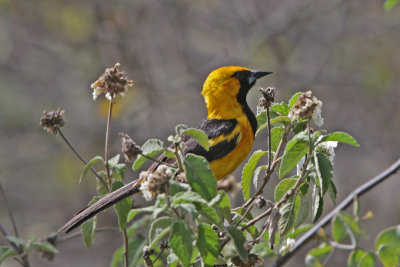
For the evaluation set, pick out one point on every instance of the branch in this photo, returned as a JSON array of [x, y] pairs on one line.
[[359, 191]]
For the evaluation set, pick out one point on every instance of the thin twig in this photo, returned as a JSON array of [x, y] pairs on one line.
[[82, 159], [79, 233], [158, 161], [178, 158], [359, 191], [10, 214], [126, 252], [108, 142], [269, 139]]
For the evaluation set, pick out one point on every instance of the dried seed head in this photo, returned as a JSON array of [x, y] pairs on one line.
[[130, 149], [268, 96], [111, 82], [52, 120], [153, 182], [307, 107]]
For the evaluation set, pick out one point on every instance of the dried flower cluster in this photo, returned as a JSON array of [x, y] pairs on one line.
[[52, 120], [307, 107], [154, 182], [130, 149], [268, 96], [112, 82]]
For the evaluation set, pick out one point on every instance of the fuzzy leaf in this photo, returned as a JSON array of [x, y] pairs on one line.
[[207, 243], [324, 170], [288, 214], [150, 148], [317, 204], [284, 186], [199, 135], [181, 242], [293, 99], [122, 207], [88, 229], [238, 240], [158, 226], [276, 136], [248, 172], [88, 166], [200, 176], [6, 252], [340, 137], [294, 151]]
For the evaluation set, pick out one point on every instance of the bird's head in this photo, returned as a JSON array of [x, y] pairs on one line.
[[228, 83]]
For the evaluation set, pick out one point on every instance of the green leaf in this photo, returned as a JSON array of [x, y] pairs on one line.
[[324, 170], [339, 230], [176, 187], [223, 205], [389, 4], [199, 135], [158, 226], [172, 260], [367, 260], [293, 99], [207, 243], [248, 172], [276, 136], [114, 160], [207, 212], [6, 252], [118, 171], [294, 151], [150, 148], [313, 257], [257, 174], [317, 204], [353, 229], [88, 229], [15, 240], [45, 246], [187, 197], [340, 137], [280, 119], [389, 236], [303, 212], [180, 128], [288, 213], [300, 230], [261, 116], [122, 207], [359, 257], [181, 242], [280, 108], [332, 192], [200, 176], [284, 186], [238, 240], [88, 166], [388, 256], [132, 213]]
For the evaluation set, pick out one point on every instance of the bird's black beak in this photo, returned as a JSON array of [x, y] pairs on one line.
[[256, 74]]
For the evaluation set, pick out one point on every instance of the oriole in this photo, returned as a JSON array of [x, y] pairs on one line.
[[230, 127]]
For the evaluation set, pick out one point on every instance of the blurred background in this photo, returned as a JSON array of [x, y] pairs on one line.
[[346, 52]]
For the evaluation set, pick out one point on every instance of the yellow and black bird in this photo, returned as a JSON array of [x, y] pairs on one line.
[[230, 127]]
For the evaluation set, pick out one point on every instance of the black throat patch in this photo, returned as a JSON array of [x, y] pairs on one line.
[[243, 77]]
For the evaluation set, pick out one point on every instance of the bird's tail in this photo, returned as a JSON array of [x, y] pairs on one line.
[[101, 204]]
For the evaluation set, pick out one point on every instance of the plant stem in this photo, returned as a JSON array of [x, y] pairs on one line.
[[82, 159], [10, 214], [158, 161], [126, 252], [269, 139], [108, 142], [178, 158]]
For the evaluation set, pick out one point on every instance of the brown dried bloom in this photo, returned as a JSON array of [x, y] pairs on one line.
[[130, 149], [154, 182], [52, 120], [112, 82], [307, 107], [268, 96]]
